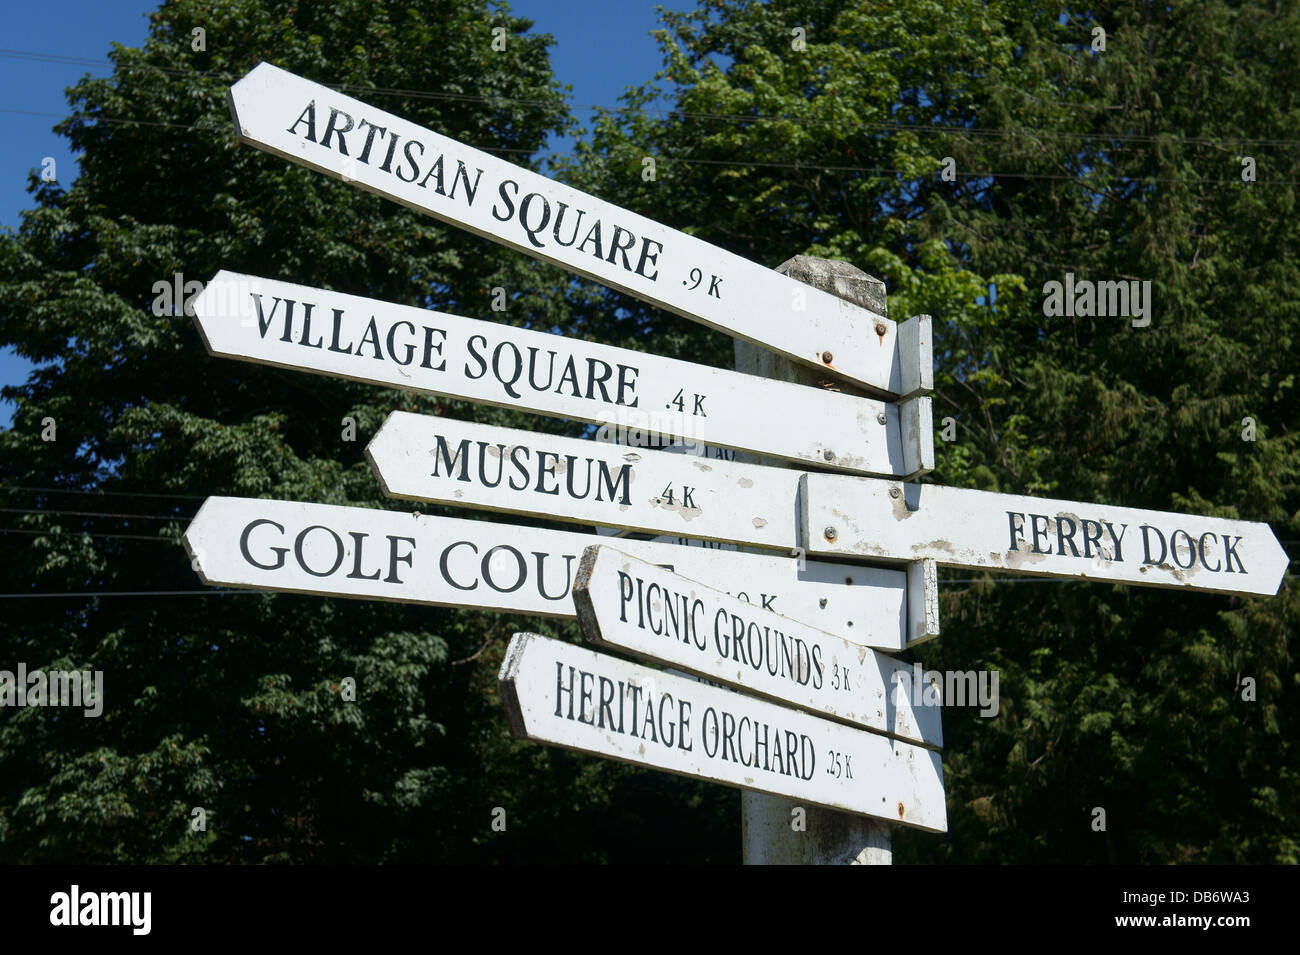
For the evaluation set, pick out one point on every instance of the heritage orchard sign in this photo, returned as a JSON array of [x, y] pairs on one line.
[[569, 696]]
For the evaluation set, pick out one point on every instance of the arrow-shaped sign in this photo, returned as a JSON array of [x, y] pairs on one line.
[[324, 130], [755, 505], [570, 696], [636, 398], [625, 603], [421, 457], [958, 527], [388, 555]]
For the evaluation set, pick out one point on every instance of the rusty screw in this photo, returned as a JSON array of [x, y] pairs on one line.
[[827, 357], [894, 492], [831, 533], [880, 328]]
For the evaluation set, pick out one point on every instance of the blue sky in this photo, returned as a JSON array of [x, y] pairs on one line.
[[601, 49]]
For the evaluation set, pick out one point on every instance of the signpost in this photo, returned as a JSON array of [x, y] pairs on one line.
[[838, 727], [958, 527], [569, 696], [389, 555], [627, 604], [633, 396], [317, 127]]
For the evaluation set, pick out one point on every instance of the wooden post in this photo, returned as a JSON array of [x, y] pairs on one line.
[[767, 822]]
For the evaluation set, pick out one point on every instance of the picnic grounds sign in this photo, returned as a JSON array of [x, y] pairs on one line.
[[762, 612]]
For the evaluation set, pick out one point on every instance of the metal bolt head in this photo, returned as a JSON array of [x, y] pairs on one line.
[[880, 328], [895, 492], [881, 418], [830, 533], [827, 357], [828, 454]]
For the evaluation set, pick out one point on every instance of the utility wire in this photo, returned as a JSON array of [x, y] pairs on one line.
[[881, 172], [674, 114], [96, 491]]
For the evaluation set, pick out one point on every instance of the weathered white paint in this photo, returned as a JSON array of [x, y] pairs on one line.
[[570, 696], [625, 603], [317, 127], [632, 396], [916, 352], [465, 464], [959, 527], [922, 601], [390, 555]]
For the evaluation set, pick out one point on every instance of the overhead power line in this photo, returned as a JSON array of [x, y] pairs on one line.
[[810, 166], [675, 114]]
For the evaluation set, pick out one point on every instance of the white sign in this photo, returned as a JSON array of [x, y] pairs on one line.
[[421, 457], [636, 398], [627, 604], [958, 527], [569, 696], [389, 555], [313, 125]]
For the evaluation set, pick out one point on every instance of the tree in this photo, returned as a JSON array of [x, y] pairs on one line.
[[234, 703], [1122, 164]]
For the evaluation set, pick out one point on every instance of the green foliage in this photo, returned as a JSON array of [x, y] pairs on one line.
[[1120, 164], [1114, 164]]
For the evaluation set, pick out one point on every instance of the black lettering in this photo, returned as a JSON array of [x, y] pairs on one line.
[[594, 380], [510, 206], [446, 572], [544, 470], [449, 461], [473, 353], [560, 688], [462, 175], [370, 139], [434, 170], [615, 246], [430, 348], [278, 551], [1204, 550], [415, 168], [1230, 552], [331, 129], [626, 383], [394, 558], [647, 258], [611, 486], [339, 550], [1146, 545], [1035, 533], [1091, 536], [359, 540], [1017, 530], [392, 349], [541, 226], [308, 115], [1063, 537]]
